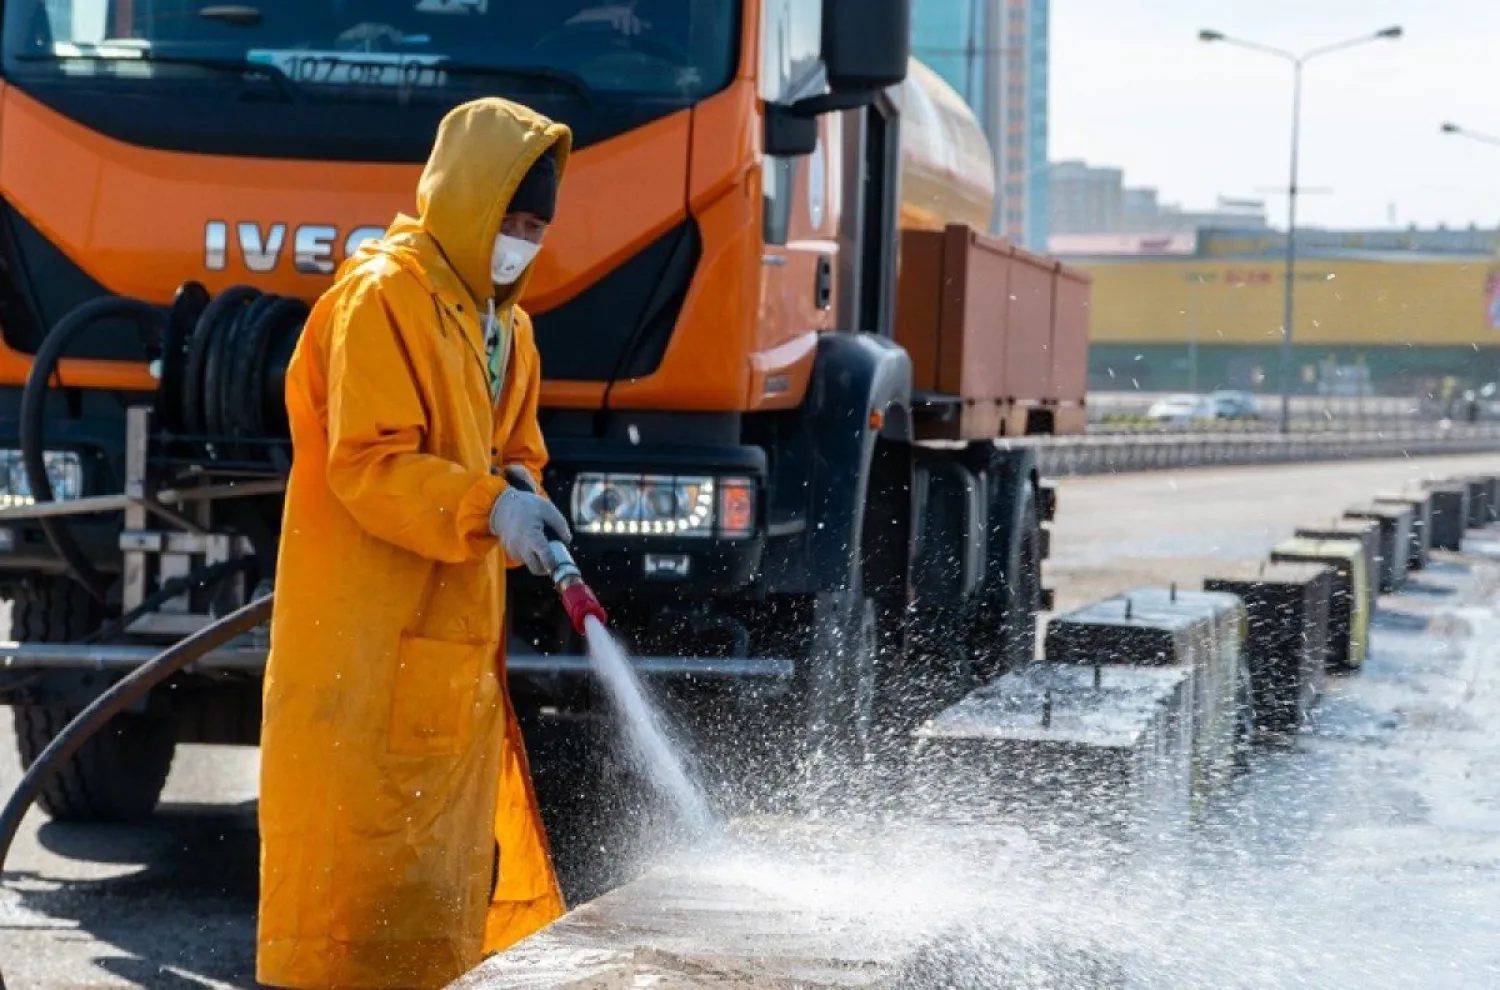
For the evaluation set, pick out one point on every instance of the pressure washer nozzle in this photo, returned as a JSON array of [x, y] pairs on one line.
[[577, 598], [580, 603]]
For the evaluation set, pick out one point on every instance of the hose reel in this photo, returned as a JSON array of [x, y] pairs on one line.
[[221, 364], [223, 370]]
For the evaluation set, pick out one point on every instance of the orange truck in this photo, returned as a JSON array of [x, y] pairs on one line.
[[783, 364]]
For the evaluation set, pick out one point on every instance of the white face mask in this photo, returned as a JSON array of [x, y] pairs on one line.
[[511, 258]]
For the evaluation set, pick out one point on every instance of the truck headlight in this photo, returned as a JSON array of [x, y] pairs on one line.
[[64, 471], [663, 505]]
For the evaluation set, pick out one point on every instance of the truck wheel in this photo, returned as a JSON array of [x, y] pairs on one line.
[[788, 748], [53, 610], [1004, 633], [840, 684], [117, 775]]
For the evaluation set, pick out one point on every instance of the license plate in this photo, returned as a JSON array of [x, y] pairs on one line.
[[355, 68]]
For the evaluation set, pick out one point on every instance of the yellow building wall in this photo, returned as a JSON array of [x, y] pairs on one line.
[[1367, 302]]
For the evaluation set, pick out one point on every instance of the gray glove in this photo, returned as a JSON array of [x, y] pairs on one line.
[[521, 521]]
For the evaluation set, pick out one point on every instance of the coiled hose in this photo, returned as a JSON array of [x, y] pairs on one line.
[[223, 370], [33, 414], [112, 702]]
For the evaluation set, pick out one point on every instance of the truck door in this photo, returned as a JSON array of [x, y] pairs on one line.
[[802, 195]]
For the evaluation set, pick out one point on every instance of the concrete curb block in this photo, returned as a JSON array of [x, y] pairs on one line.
[[1395, 523], [1367, 532], [791, 904], [1159, 627], [1224, 709], [1450, 513], [1481, 499], [1068, 744], [1286, 644], [1348, 615], [1420, 550]]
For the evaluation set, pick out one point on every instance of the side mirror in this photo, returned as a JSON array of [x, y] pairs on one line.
[[791, 130], [866, 44]]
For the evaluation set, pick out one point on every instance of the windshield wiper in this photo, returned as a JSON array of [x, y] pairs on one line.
[[543, 73], [280, 79]]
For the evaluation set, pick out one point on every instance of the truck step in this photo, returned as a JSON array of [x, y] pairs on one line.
[[1046, 501]]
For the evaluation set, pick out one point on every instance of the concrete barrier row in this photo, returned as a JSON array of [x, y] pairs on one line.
[[1253, 648], [1088, 455], [1137, 715]]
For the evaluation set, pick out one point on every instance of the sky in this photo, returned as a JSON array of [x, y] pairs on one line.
[[1132, 86]]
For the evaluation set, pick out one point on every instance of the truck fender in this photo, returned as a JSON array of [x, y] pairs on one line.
[[860, 391]]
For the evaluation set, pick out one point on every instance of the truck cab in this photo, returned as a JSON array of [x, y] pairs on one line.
[[766, 493]]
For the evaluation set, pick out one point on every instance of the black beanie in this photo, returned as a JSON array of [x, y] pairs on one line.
[[537, 192]]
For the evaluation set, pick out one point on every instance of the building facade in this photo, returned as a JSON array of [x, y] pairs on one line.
[[1088, 199], [995, 54], [1400, 310]]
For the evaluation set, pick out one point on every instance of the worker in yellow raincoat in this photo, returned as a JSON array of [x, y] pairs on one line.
[[400, 839]]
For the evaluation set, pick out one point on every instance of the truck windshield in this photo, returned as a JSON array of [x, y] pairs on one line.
[[329, 50]]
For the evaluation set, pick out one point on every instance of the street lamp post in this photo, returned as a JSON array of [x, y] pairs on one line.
[[1298, 61], [1195, 283], [1451, 128]]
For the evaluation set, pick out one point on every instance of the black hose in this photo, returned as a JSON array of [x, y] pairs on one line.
[[225, 308], [120, 696], [201, 578], [187, 307], [33, 409]]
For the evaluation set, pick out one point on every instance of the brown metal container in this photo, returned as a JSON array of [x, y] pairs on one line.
[[998, 336], [1027, 369], [1070, 336]]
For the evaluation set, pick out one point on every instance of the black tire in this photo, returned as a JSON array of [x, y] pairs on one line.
[[117, 775], [839, 680], [794, 747], [54, 610], [1004, 631]]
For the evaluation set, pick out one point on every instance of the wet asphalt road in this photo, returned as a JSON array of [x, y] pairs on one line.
[[1403, 772]]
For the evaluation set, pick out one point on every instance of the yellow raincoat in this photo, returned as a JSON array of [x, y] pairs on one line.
[[392, 766]]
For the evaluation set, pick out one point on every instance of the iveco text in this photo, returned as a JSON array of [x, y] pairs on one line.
[[261, 249]]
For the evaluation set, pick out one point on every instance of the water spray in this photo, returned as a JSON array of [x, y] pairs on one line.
[[642, 722]]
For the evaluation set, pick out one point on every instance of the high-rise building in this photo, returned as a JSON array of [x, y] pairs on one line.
[[952, 37], [1026, 62], [994, 53], [1088, 200]]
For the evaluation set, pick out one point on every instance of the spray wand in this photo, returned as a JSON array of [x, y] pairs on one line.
[[578, 599]]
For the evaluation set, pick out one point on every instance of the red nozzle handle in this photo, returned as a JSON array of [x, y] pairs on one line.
[[580, 603]]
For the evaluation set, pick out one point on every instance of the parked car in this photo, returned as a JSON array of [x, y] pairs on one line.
[[1234, 405], [1182, 410]]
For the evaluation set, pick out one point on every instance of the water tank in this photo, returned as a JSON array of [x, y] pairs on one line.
[[947, 171]]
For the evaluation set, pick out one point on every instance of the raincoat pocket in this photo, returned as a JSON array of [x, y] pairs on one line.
[[432, 707]]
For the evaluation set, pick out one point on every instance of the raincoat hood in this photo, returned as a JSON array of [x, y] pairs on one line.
[[483, 150]]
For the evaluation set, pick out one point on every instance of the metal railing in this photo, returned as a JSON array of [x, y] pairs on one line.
[[1128, 414], [1094, 454]]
